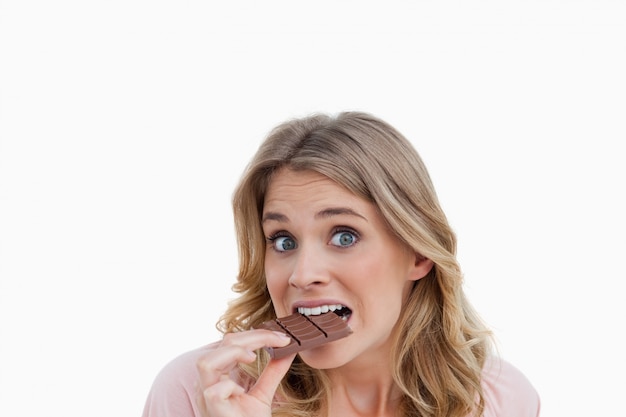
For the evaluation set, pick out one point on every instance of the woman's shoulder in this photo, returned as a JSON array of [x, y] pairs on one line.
[[173, 390], [507, 391]]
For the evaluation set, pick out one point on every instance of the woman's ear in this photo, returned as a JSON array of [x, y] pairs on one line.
[[421, 268]]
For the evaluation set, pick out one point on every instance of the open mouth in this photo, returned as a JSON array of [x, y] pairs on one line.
[[338, 309]]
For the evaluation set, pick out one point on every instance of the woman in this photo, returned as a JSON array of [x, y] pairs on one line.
[[340, 213]]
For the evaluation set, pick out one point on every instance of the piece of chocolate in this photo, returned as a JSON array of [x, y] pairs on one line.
[[306, 332]]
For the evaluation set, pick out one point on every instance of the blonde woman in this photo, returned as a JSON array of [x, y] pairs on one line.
[[339, 213]]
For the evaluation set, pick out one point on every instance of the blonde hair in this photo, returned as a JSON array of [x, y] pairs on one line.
[[440, 342]]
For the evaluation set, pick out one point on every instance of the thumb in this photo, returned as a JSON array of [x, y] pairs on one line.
[[269, 380]]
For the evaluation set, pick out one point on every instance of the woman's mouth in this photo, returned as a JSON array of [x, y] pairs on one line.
[[340, 310]]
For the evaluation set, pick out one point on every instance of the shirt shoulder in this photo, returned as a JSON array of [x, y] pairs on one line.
[[507, 391], [173, 391]]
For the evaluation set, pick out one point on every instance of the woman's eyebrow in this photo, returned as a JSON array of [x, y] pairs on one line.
[[336, 211], [272, 215]]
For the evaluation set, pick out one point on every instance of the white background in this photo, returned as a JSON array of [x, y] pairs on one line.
[[124, 126]]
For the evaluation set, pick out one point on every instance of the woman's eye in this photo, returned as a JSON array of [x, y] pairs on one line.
[[343, 239], [283, 243]]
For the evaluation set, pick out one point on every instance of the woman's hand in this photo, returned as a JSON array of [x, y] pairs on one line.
[[220, 395]]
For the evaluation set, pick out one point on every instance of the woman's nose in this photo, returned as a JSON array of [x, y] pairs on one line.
[[308, 270]]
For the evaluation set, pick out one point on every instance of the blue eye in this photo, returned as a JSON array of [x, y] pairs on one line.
[[343, 239], [283, 243]]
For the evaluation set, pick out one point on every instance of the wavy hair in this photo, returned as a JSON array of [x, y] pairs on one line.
[[440, 343]]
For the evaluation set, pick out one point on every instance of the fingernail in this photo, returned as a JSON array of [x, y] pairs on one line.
[[282, 335]]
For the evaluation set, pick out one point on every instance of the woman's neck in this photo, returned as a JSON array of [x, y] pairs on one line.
[[363, 391]]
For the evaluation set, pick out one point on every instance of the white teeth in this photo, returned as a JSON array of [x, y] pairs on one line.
[[316, 311]]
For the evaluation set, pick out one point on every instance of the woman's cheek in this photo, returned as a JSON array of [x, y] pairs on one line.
[[275, 284]]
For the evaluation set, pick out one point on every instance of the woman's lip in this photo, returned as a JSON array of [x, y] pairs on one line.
[[309, 304]]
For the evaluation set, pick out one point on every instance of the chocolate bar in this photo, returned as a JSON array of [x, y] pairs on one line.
[[306, 332]]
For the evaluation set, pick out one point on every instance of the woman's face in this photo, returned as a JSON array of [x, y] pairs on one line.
[[327, 248]]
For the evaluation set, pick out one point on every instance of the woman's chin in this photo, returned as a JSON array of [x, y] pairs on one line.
[[327, 356]]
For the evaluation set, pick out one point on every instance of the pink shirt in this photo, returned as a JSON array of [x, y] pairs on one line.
[[508, 393]]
